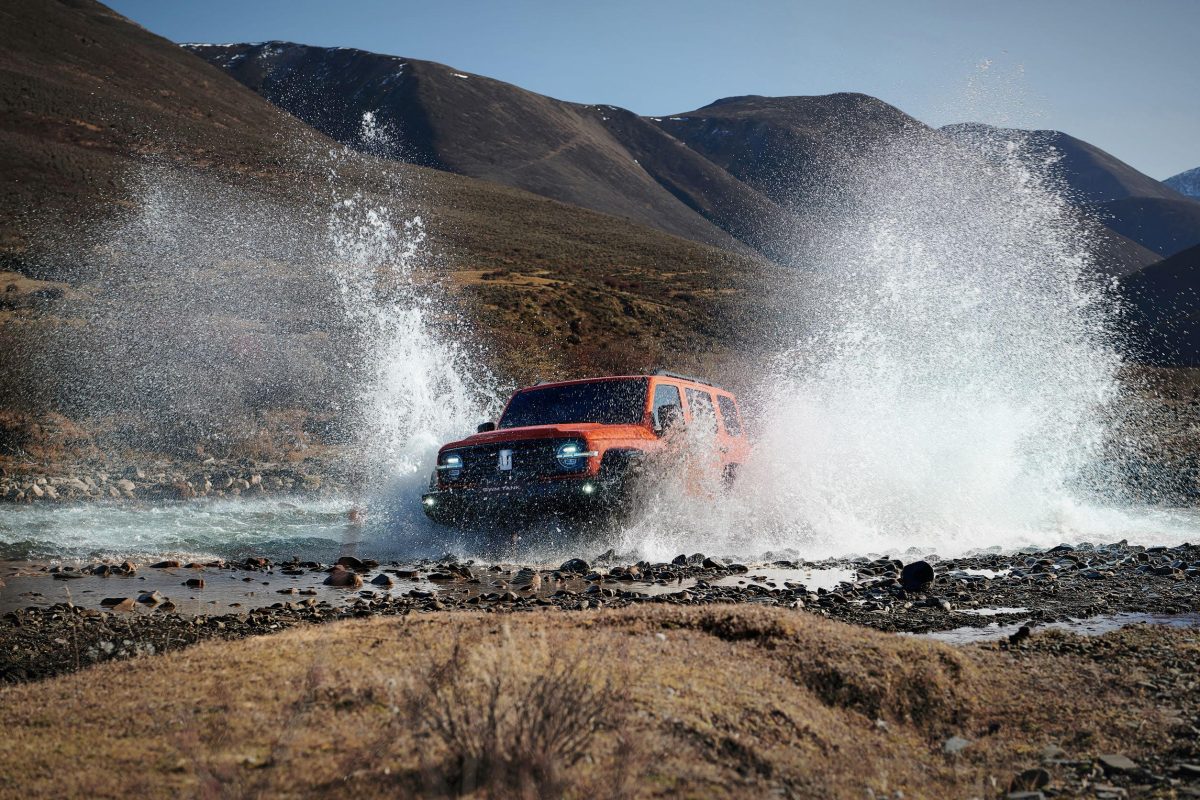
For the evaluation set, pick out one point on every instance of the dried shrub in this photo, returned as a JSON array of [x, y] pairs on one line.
[[514, 718]]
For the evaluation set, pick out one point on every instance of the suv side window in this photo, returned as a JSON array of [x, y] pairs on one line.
[[701, 405], [665, 395], [729, 415]]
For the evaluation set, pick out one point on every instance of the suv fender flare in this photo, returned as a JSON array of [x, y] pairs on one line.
[[621, 463]]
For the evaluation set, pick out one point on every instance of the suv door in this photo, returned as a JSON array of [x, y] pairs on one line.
[[665, 394]]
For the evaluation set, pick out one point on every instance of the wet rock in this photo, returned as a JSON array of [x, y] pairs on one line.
[[169, 564], [150, 598], [918, 575], [350, 562], [118, 603], [383, 579], [575, 565], [680, 560], [714, 563], [343, 578], [194, 583]]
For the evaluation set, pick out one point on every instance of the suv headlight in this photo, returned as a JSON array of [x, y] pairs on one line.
[[450, 465], [573, 455]]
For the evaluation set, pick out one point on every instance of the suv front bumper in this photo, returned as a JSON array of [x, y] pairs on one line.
[[576, 497]]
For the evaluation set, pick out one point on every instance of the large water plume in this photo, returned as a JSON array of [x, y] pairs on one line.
[[958, 377]]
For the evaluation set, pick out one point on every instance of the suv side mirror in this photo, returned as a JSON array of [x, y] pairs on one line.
[[668, 417], [484, 427]]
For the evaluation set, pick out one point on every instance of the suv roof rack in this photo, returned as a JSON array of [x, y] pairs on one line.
[[666, 373]]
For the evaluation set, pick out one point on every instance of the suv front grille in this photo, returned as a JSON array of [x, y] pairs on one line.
[[530, 459]]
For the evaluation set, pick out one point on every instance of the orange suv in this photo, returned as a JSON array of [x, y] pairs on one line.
[[574, 447]]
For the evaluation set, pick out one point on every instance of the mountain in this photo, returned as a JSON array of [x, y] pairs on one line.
[[779, 145], [134, 171], [1131, 204], [679, 174], [1186, 183], [597, 157]]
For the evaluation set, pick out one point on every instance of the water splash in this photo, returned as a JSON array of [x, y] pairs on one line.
[[420, 385], [959, 378], [957, 381]]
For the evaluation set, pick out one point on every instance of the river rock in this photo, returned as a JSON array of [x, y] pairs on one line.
[[713, 563], [169, 564], [383, 579], [341, 577], [916, 576], [118, 603], [150, 598], [350, 562], [194, 583], [576, 565]]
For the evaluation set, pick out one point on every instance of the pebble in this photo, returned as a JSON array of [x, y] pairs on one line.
[[1117, 763], [955, 744]]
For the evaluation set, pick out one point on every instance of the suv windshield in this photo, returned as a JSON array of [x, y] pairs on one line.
[[620, 402]]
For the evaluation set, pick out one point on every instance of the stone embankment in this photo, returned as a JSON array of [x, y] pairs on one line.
[[157, 484]]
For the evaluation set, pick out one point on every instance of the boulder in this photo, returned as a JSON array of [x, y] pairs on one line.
[[916, 576], [576, 565], [343, 578], [350, 562]]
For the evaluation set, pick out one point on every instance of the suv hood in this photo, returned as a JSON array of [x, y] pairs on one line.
[[563, 431]]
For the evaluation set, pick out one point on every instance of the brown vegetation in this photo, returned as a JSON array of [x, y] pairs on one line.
[[642, 702]]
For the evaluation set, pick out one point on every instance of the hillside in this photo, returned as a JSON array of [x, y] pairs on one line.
[[148, 190], [597, 157], [1165, 304], [740, 171]]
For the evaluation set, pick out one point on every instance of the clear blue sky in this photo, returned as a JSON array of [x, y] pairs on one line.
[[1124, 75]]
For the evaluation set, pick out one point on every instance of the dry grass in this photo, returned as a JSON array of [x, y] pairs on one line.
[[725, 702]]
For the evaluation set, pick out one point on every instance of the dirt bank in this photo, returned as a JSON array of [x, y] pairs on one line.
[[652, 701]]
